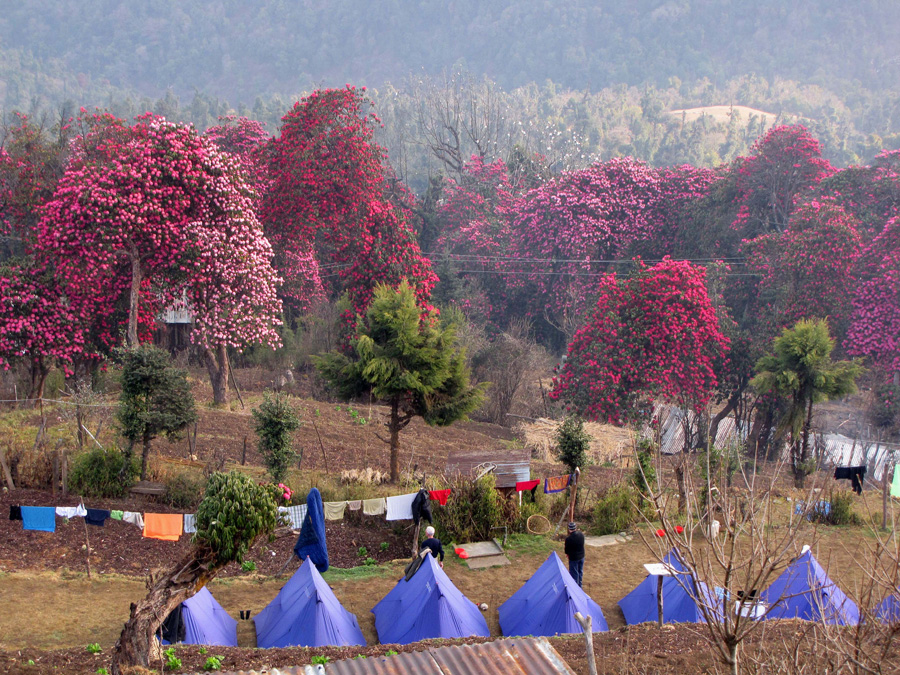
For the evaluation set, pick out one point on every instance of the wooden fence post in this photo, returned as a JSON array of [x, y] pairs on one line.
[[585, 622]]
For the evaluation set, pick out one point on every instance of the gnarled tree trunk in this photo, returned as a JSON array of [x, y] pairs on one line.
[[166, 591], [216, 362], [134, 299]]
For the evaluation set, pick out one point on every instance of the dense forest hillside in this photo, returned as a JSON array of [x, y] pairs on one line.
[[239, 50]]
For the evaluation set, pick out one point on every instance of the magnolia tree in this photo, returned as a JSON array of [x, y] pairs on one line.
[[332, 201], [155, 213], [654, 335]]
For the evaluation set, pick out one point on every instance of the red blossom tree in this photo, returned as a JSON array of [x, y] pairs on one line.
[[807, 270], [332, 197], [654, 335], [37, 326], [786, 161], [875, 324], [155, 213], [247, 140]]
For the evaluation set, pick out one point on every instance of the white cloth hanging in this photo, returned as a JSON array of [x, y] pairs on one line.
[[400, 507]]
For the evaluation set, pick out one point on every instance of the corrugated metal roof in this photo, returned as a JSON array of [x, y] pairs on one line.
[[671, 431], [510, 466], [524, 656]]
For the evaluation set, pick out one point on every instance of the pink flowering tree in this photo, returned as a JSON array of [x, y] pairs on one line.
[[807, 271], [246, 140], [37, 326], [331, 198], [653, 336], [875, 324], [869, 193], [786, 162], [157, 214]]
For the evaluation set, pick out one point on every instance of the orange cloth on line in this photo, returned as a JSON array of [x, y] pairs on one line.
[[167, 526], [556, 483]]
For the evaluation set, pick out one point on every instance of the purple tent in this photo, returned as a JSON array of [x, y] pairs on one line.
[[547, 603], [206, 622], [679, 597], [888, 610], [427, 606], [305, 613], [804, 591]]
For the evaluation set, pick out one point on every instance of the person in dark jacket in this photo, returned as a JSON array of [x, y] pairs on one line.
[[434, 544], [575, 553]]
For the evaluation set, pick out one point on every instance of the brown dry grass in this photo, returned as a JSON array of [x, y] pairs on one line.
[[608, 443]]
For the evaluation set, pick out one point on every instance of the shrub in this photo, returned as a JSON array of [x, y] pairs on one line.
[[617, 510], [248, 566], [885, 410], [319, 659], [384, 546], [362, 552], [573, 443], [474, 508], [102, 473], [842, 509], [172, 661], [183, 491], [213, 663], [275, 421], [94, 648]]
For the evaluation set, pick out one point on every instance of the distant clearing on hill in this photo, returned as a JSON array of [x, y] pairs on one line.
[[721, 113]]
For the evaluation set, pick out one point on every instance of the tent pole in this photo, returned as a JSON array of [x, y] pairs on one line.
[[87, 540], [284, 567], [659, 600]]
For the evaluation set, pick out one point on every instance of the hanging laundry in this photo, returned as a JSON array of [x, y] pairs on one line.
[[556, 483], [190, 523], [334, 510], [895, 486], [96, 517], [440, 496], [355, 505], [15, 512], [165, 526], [41, 518], [374, 507], [134, 518], [116, 515], [71, 511], [400, 507], [421, 509], [311, 542], [855, 474], [526, 485], [295, 514]]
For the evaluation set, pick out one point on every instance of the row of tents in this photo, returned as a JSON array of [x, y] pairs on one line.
[[428, 605]]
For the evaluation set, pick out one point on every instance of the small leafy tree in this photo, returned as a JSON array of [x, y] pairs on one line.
[[572, 443], [801, 372], [156, 400], [275, 421], [404, 357], [234, 512]]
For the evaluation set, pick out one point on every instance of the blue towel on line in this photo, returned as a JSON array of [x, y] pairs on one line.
[[42, 518]]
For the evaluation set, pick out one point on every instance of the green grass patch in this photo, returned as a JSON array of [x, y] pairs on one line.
[[355, 573], [528, 544]]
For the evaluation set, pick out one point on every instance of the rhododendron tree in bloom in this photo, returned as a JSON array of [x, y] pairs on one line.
[[875, 325], [247, 140], [37, 326], [330, 195], [786, 161], [807, 271], [571, 228], [157, 213], [654, 336], [32, 160], [869, 193]]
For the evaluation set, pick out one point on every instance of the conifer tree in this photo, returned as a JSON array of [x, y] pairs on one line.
[[405, 358]]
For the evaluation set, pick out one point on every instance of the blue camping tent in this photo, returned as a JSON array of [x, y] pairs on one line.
[[679, 605], [804, 591], [547, 603], [427, 606], [204, 621], [305, 613], [311, 542], [888, 610]]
